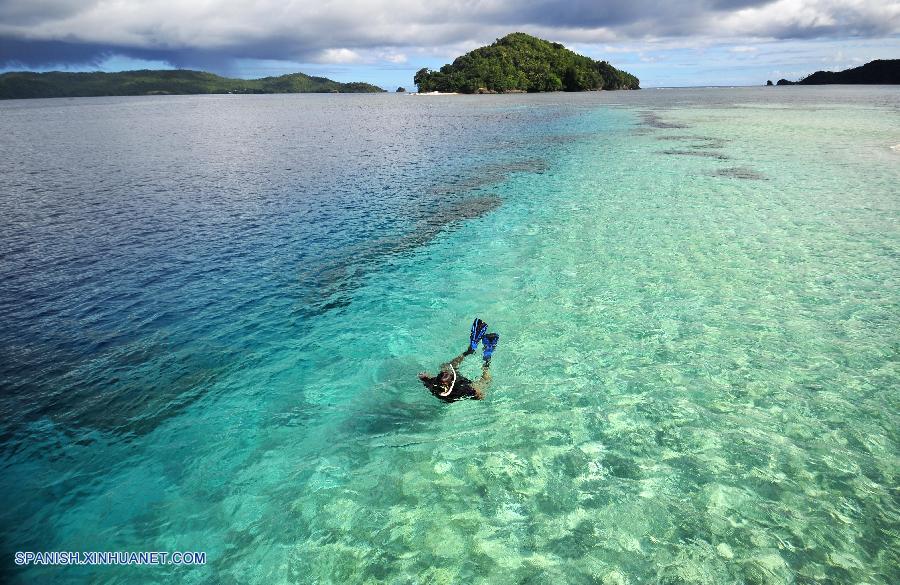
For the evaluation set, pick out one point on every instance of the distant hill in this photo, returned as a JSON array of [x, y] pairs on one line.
[[878, 72], [519, 62], [18, 85]]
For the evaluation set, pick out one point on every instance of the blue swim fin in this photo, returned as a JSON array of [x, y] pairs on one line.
[[490, 342], [479, 328]]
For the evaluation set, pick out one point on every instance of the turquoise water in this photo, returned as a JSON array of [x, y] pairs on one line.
[[697, 293]]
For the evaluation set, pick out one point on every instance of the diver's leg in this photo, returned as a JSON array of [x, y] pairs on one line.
[[481, 384], [490, 344], [455, 362], [479, 329], [485, 379]]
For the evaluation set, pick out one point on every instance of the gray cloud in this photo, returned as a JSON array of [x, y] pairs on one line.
[[37, 53], [209, 35], [652, 14]]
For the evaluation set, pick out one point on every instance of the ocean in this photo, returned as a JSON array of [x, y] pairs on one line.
[[213, 310]]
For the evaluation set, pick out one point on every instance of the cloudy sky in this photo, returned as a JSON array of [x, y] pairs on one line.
[[664, 43]]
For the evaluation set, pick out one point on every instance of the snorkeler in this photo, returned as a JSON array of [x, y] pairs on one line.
[[450, 385]]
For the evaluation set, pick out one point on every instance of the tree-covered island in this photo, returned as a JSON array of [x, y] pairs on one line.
[[519, 62], [877, 72], [26, 84]]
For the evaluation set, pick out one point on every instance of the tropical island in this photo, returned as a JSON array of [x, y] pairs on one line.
[[522, 63], [878, 72], [24, 84]]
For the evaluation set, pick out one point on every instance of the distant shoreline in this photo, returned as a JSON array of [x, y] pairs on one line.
[[146, 82], [424, 94], [877, 72]]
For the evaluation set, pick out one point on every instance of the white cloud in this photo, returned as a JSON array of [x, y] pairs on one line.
[[394, 58], [813, 18], [338, 56]]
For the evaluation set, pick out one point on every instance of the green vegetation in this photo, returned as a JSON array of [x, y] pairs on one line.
[[20, 85], [878, 72], [521, 62]]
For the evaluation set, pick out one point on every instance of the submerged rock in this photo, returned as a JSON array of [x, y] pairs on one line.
[[739, 173], [768, 569], [724, 551], [615, 577]]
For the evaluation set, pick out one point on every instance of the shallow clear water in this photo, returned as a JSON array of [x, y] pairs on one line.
[[213, 310]]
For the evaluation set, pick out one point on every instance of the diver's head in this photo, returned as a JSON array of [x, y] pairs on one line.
[[445, 377], [441, 382]]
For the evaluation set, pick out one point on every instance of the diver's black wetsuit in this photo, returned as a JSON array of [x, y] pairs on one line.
[[462, 389]]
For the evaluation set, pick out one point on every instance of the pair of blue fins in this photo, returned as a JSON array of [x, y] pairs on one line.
[[480, 335]]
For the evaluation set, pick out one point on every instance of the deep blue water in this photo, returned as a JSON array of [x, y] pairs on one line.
[[138, 230]]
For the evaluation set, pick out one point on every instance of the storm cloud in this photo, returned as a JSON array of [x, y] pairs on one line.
[[213, 34]]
